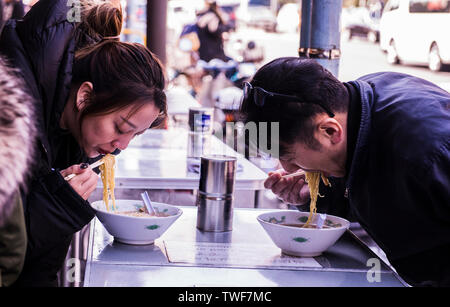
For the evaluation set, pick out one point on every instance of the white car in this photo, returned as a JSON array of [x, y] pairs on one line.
[[288, 19], [258, 13], [416, 31]]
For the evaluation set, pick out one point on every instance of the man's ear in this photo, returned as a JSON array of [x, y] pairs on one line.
[[83, 95], [330, 129]]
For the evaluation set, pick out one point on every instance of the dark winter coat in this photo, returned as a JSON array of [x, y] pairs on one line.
[[398, 181], [42, 46]]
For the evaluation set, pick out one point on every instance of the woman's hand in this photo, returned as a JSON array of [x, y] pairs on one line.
[[85, 181], [292, 190]]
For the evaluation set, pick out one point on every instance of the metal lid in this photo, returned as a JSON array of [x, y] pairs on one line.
[[217, 175]]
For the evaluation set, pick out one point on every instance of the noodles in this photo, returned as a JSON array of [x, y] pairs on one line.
[[313, 180], [107, 174]]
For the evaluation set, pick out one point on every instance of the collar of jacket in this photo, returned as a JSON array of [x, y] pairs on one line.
[[359, 157]]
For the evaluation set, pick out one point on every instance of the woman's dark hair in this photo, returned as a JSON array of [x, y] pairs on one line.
[[121, 73], [305, 79]]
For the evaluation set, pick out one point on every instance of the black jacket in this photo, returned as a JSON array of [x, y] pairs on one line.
[[398, 181], [42, 46], [400, 169]]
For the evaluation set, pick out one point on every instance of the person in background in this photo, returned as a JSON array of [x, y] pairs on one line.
[[17, 136], [211, 28], [92, 94], [384, 142]]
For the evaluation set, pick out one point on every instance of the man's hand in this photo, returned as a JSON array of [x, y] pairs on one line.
[[85, 181], [292, 190]]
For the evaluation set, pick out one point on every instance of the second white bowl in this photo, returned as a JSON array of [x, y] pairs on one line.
[[304, 242]]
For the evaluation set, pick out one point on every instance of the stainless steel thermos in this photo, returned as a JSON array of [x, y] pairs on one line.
[[216, 193]]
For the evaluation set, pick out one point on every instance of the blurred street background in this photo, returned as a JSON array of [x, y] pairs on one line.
[[274, 26], [360, 51], [359, 56]]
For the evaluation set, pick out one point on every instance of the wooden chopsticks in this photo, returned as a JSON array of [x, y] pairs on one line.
[[297, 173], [93, 165]]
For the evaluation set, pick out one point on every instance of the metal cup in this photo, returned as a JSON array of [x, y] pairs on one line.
[[217, 175], [214, 214], [216, 193]]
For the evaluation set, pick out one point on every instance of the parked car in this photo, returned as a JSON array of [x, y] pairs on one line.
[[258, 13], [416, 31], [361, 22]]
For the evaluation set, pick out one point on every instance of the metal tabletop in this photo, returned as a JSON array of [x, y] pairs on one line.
[[157, 159], [244, 257]]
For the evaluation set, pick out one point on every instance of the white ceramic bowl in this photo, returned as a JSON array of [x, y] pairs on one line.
[[303, 242], [136, 230]]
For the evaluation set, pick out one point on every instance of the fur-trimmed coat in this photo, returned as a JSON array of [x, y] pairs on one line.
[[17, 132], [17, 135]]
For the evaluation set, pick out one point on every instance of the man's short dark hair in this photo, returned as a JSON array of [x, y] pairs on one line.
[[303, 78]]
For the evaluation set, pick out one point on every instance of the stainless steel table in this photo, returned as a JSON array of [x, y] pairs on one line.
[[244, 257]]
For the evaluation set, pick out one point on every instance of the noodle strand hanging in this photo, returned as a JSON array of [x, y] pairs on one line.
[[107, 174], [313, 180]]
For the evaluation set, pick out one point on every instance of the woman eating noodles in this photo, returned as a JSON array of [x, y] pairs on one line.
[[94, 94]]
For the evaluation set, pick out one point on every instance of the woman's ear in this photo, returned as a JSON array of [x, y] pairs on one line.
[[331, 129], [83, 95]]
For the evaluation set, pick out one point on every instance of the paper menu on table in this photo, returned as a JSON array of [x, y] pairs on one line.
[[234, 255]]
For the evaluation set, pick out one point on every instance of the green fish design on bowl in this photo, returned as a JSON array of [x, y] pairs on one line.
[[300, 239], [152, 227]]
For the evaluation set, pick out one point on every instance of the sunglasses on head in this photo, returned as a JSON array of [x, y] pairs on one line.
[[260, 95]]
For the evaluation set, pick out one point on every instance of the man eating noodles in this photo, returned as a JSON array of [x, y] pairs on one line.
[[383, 140]]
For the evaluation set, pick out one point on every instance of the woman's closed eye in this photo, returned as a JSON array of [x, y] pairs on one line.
[[118, 131]]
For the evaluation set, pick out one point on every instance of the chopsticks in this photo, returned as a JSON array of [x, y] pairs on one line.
[[297, 173], [93, 165]]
